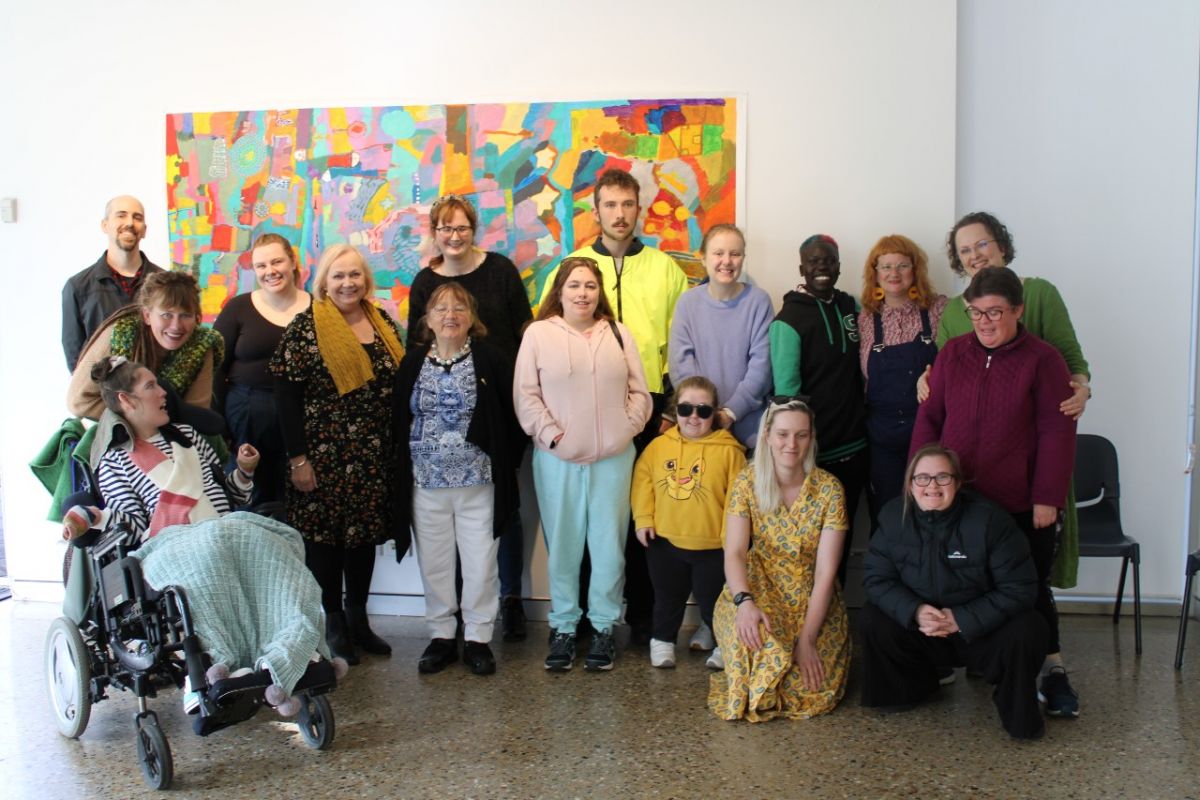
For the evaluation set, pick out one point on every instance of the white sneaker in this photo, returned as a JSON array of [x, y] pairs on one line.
[[662, 654], [191, 699], [716, 660], [702, 639]]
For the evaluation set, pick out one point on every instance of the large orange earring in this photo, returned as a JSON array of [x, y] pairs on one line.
[[913, 294], [877, 293]]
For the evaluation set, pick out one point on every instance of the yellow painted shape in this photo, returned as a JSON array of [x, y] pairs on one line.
[[661, 208], [202, 124]]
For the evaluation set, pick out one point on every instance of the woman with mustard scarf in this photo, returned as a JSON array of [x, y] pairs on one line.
[[334, 372]]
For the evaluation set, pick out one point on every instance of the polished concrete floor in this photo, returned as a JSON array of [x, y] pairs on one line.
[[634, 732]]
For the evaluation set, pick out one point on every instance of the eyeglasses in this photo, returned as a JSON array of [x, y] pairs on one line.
[[460, 230], [941, 479], [441, 311], [979, 247], [994, 313], [893, 267], [701, 410]]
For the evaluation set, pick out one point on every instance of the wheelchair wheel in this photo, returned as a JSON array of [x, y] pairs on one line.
[[154, 754], [316, 722], [68, 673]]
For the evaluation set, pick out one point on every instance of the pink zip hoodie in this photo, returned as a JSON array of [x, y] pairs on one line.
[[588, 388]]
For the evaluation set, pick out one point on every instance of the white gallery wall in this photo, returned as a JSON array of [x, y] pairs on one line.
[[1077, 128]]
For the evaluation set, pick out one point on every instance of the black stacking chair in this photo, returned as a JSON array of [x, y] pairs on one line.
[[1098, 500], [1193, 566]]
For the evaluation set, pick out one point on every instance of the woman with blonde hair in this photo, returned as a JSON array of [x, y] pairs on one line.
[[897, 327], [252, 325], [781, 623], [334, 374]]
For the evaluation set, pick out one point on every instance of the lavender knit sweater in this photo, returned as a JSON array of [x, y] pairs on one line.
[[726, 342]]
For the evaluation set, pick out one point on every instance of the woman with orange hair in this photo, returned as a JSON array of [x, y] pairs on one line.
[[897, 328]]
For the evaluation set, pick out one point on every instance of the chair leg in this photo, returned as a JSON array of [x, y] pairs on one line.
[[1137, 599], [1120, 590], [1183, 619]]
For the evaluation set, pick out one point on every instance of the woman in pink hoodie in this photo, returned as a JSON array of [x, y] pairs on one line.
[[580, 392]]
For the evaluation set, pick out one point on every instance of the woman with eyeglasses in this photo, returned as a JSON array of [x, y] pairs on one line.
[[457, 444], [503, 309], [897, 324], [160, 330], [780, 622], [995, 398], [950, 583], [580, 392], [719, 330]]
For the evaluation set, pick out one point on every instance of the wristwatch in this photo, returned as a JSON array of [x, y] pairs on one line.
[[742, 597]]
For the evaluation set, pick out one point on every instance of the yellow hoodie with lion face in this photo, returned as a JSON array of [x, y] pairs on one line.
[[680, 484]]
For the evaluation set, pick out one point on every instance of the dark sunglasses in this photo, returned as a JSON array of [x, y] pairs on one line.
[[703, 410]]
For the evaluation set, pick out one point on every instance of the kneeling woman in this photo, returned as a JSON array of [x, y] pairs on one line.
[[781, 623], [458, 443], [164, 491], [950, 582]]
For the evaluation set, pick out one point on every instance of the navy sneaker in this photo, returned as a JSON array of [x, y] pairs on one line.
[[1056, 692], [600, 655], [562, 652]]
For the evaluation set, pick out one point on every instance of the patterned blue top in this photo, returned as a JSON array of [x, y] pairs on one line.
[[442, 404]]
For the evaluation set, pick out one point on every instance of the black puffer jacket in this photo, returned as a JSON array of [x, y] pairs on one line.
[[971, 558]]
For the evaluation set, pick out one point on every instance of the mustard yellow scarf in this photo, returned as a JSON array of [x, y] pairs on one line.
[[341, 351]]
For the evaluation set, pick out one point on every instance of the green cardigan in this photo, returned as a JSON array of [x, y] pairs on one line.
[[1046, 317]]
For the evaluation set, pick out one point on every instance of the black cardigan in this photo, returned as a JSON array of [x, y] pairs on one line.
[[493, 429]]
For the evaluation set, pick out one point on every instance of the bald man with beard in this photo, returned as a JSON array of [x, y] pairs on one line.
[[90, 296]]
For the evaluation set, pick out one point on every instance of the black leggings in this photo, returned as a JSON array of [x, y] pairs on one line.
[[853, 473], [1043, 546], [331, 563], [676, 573]]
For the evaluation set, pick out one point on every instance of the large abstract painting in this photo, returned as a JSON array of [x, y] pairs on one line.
[[367, 176]]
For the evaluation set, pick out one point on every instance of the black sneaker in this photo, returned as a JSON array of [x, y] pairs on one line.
[[512, 621], [478, 657], [600, 655], [1056, 692], [562, 652], [440, 654]]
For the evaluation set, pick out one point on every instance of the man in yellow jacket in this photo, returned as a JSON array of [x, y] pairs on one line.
[[642, 283]]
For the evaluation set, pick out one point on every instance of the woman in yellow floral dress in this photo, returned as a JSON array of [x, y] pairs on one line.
[[780, 622]]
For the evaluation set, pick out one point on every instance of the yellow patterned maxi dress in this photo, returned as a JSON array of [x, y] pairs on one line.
[[780, 565]]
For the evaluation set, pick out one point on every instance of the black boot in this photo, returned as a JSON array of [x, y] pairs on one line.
[[512, 620], [364, 637], [337, 636]]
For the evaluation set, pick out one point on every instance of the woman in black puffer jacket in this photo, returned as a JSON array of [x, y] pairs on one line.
[[949, 583]]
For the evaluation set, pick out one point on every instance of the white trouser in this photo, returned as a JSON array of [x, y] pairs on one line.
[[450, 521]]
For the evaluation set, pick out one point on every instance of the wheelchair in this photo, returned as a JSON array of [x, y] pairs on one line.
[[135, 638]]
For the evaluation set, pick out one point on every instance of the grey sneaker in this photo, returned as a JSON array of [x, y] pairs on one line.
[[562, 652], [600, 655]]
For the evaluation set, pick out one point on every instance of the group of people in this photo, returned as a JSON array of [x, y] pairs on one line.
[[686, 442]]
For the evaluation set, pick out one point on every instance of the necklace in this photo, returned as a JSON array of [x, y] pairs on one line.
[[462, 353]]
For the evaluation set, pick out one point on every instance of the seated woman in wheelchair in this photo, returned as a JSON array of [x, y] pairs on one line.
[[166, 495]]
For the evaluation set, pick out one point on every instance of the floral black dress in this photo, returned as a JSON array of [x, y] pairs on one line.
[[349, 443]]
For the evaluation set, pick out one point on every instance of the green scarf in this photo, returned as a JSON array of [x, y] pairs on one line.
[[180, 367]]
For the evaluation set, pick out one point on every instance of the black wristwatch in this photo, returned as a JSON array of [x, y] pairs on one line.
[[742, 597]]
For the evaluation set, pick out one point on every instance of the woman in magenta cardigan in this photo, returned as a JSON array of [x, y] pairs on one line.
[[580, 392], [994, 399]]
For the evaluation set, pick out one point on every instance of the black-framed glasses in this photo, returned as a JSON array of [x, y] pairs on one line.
[[701, 410], [994, 313], [448, 230], [941, 479]]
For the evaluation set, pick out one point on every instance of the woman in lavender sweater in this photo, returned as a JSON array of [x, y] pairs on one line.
[[720, 331]]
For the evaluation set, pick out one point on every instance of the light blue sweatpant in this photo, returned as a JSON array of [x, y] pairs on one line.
[[584, 503]]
